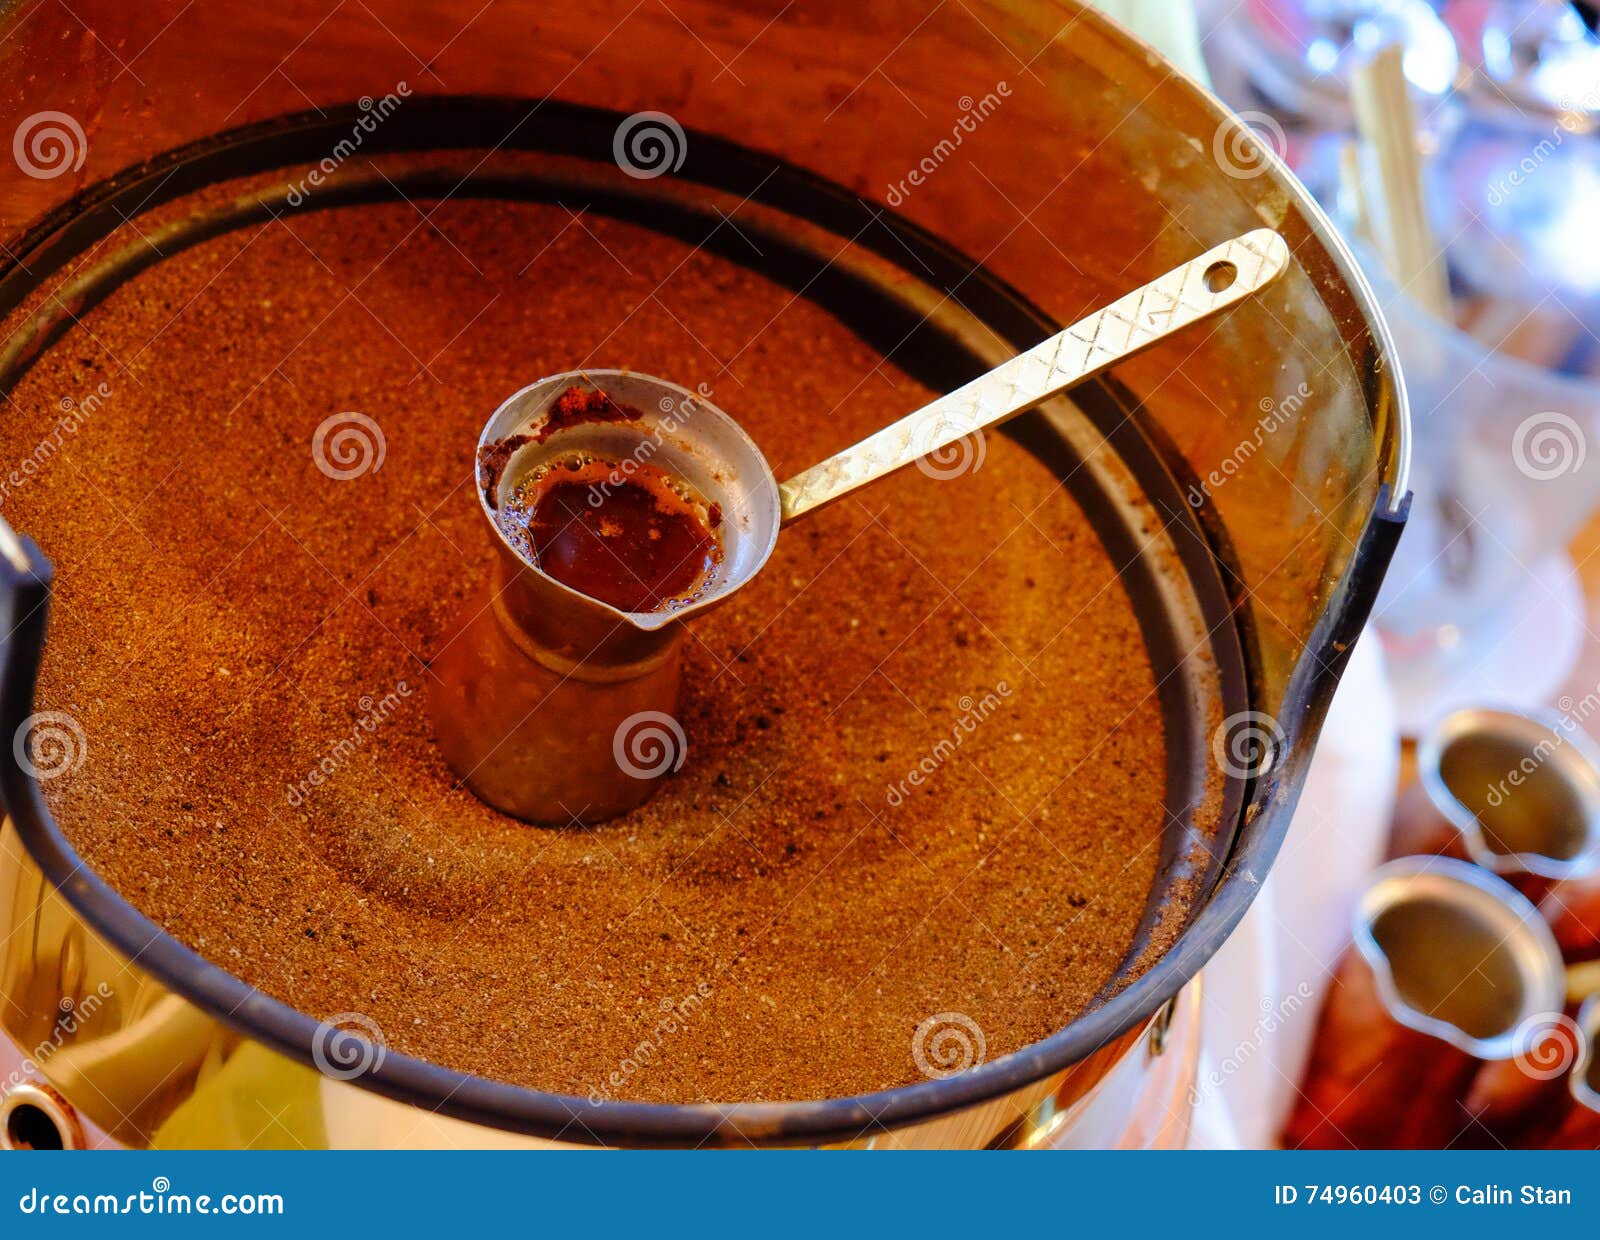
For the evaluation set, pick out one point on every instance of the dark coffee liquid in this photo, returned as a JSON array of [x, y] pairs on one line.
[[634, 539]]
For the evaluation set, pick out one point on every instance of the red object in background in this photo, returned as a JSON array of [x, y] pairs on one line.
[[1579, 1130], [1420, 830], [1514, 1110], [1373, 1083], [1525, 1102], [1572, 907]]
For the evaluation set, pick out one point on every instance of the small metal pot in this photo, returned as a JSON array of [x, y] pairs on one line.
[[1518, 794], [1450, 966]]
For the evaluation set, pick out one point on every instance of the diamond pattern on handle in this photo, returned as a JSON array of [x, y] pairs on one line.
[[1166, 305]]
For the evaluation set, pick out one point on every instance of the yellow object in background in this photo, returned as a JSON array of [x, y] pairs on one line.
[[257, 1100]]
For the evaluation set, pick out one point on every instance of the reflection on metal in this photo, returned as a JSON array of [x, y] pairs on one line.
[[1143, 1105], [1161, 1027], [1523, 791], [123, 1049], [1458, 954], [11, 547]]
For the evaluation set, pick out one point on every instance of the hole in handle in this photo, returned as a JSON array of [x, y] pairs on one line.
[[1219, 277]]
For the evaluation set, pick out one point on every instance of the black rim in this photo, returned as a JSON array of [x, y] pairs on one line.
[[439, 123]]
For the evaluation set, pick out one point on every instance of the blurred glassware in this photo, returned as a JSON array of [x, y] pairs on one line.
[[1538, 55], [1297, 57], [1508, 102], [1482, 601], [1516, 187], [1286, 66]]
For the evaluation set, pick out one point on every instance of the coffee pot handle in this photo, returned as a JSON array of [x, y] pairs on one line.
[[1217, 279]]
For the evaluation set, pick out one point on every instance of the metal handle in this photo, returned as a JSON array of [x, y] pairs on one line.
[[1200, 288]]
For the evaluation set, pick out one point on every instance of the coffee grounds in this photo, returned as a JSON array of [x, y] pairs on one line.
[[925, 757], [577, 406]]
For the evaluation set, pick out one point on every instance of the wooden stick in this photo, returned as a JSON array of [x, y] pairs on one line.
[[1583, 980], [1388, 122], [1354, 192]]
